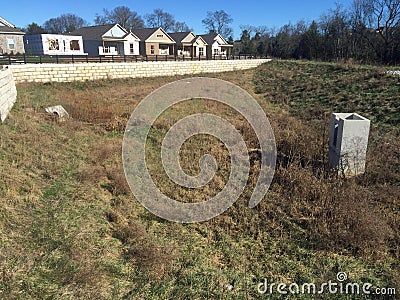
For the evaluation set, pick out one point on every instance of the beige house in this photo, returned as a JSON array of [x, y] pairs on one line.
[[154, 41], [11, 38], [188, 44]]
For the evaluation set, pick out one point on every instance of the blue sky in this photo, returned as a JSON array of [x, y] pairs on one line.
[[269, 13]]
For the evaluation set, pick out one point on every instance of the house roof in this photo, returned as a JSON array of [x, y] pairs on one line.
[[6, 29], [131, 33], [5, 23], [144, 33], [199, 37], [210, 38], [93, 33], [179, 36]]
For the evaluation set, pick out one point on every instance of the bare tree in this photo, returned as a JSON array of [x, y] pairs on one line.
[[64, 24], [335, 28], [383, 16], [218, 22], [160, 18], [256, 32], [122, 15], [181, 27], [248, 29]]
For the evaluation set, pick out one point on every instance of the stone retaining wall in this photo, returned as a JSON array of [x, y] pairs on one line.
[[93, 71], [8, 92]]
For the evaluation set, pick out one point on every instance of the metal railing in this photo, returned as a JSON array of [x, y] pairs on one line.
[[11, 59]]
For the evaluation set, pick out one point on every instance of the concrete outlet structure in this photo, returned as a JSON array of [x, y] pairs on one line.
[[348, 143]]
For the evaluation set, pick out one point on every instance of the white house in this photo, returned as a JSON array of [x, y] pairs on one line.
[[111, 39], [188, 44], [217, 45], [53, 44]]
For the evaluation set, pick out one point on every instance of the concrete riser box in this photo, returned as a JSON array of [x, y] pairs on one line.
[[348, 143]]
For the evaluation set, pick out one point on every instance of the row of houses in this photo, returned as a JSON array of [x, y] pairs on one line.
[[112, 39]]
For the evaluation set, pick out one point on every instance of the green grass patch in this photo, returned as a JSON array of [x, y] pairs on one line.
[[310, 89]]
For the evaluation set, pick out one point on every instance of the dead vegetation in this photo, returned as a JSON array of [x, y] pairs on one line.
[[71, 228]]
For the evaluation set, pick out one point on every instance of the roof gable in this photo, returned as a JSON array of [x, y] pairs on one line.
[[183, 37], [153, 35], [220, 40], [132, 36], [189, 38], [198, 40], [4, 22], [117, 31], [214, 37], [161, 36]]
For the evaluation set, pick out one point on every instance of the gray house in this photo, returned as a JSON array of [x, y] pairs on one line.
[[11, 38], [111, 39]]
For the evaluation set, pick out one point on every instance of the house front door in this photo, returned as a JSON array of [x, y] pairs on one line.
[[120, 49]]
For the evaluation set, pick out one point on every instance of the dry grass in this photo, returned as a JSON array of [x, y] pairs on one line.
[[71, 229]]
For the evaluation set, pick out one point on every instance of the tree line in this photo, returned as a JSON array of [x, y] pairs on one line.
[[217, 21], [367, 32]]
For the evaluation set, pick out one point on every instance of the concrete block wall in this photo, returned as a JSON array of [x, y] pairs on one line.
[[8, 92], [93, 71]]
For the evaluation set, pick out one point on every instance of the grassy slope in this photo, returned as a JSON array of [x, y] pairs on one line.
[[309, 89], [70, 228]]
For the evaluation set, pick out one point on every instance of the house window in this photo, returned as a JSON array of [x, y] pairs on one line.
[[131, 48], [201, 51], [106, 49], [152, 49], [54, 45], [11, 44], [74, 45], [215, 51], [160, 35]]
